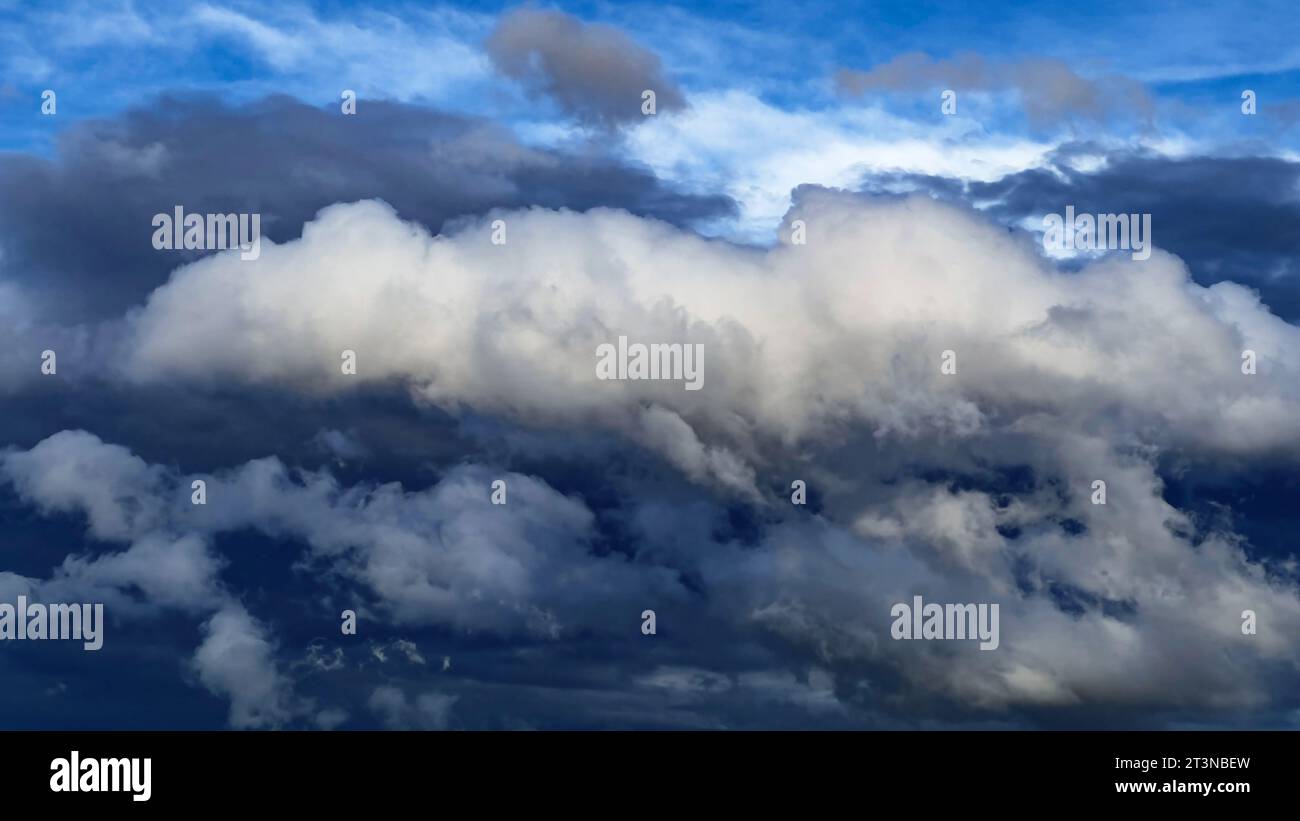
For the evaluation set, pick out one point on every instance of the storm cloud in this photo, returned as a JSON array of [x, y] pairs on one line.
[[77, 230], [1063, 379], [475, 253]]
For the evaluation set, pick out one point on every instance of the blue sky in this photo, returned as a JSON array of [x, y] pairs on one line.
[[107, 57], [767, 66], [371, 491]]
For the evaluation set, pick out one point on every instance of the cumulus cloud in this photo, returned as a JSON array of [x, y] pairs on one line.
[[823, 363], [163, 568], [594, 72], [445, 555], [237, 660], [1229, 218], [74, 472], [800, 341], [442, 556], [476, 363], [1049, 90], [1150, 616]]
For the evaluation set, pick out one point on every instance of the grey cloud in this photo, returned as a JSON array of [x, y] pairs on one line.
[[161, 570], [445, 555], [1049, 89], [236, 659], [822, 364], [76, 229], [820, 585], [894, 282], [427, 711], [343, 447], [593, 71]]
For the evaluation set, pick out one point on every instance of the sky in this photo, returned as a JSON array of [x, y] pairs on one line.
[[904, 389]]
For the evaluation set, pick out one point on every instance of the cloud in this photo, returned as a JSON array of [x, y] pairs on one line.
[[1150, 613], [823, 359], [444, 556], [429, 711], [758, 152], [117, 53], [513, 329], [371, 492], [343, 447], [74, 472], [161, 570], [665, 432], [812, 691], [1234, 218], [428, 55], [823, 362], [279, 158], [594, 72], [282, 50], [236, 660], [1050, 91]]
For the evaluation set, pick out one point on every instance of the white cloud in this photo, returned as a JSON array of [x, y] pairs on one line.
[[73, 471], [822, 358], [800, 341], [162, 569], [429, 54], [757, 153], [237, 660], [429, 711]]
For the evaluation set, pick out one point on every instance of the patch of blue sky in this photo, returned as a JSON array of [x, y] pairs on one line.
[[104, 57]]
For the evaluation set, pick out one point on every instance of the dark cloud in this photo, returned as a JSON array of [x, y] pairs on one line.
[[1229, 218], [76, 230], [768, 614], [594, 72], [766, 617]]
